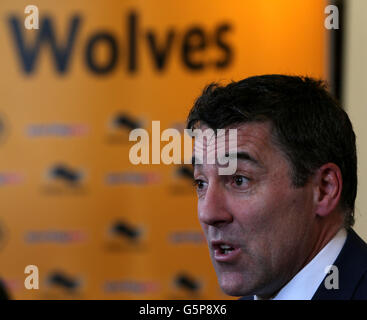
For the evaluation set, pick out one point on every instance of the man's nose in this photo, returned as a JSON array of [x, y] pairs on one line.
[[212, 209]]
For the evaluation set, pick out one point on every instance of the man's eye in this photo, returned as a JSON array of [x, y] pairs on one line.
[[199, 183], [240, 181]]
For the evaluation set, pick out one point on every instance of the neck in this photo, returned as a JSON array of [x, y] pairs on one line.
[[324, 232], [325, 229]]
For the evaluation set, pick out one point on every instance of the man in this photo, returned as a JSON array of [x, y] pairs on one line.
[[280, 226]]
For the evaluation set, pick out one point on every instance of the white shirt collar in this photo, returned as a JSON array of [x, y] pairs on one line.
[[305, 283]]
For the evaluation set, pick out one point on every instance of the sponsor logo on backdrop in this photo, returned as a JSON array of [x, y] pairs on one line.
[[55, 236], [68, 175], [3, 128], [119, 127], [187, 282], [185, 172], [126, 231], [60, 280], [59, 284], [182, 177], [185, 286], [11, 178], [186, 237], [125, 236], [131, 286], [125, 122], [197, 47], [135, 178], [63, 179], [182, 180], [57, 130]]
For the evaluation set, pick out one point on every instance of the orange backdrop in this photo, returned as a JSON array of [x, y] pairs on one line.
[[96, 226]]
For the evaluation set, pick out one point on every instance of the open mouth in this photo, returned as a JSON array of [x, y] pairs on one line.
[[225, 252], [225, 249]]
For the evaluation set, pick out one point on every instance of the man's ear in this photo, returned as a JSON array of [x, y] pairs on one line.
[[328, 187]]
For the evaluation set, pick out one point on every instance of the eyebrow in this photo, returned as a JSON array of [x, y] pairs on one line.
[[242, 155]]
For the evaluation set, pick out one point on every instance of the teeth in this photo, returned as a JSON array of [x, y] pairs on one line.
[[226, 248]]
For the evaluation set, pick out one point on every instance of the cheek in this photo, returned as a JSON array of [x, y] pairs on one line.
[[250, 212], [281, 221], [266, 213]]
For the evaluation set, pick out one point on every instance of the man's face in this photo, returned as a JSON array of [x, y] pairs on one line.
[[258, 226]]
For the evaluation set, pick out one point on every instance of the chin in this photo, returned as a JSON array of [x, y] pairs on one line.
[[233, 284]]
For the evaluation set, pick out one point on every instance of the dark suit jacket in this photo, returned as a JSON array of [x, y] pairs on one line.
[[352, 266]]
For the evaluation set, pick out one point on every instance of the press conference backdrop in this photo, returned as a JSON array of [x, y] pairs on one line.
[[71, 203]]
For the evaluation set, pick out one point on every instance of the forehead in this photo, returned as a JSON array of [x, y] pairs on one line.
[[256, 147], [255, 137]]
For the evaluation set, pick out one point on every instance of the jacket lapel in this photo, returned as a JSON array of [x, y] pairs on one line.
[[352, 265]]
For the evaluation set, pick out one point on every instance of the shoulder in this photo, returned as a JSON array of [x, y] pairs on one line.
[[360, 292], [360, 266]]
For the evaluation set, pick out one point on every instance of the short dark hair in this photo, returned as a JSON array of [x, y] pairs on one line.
[[309, 125]]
